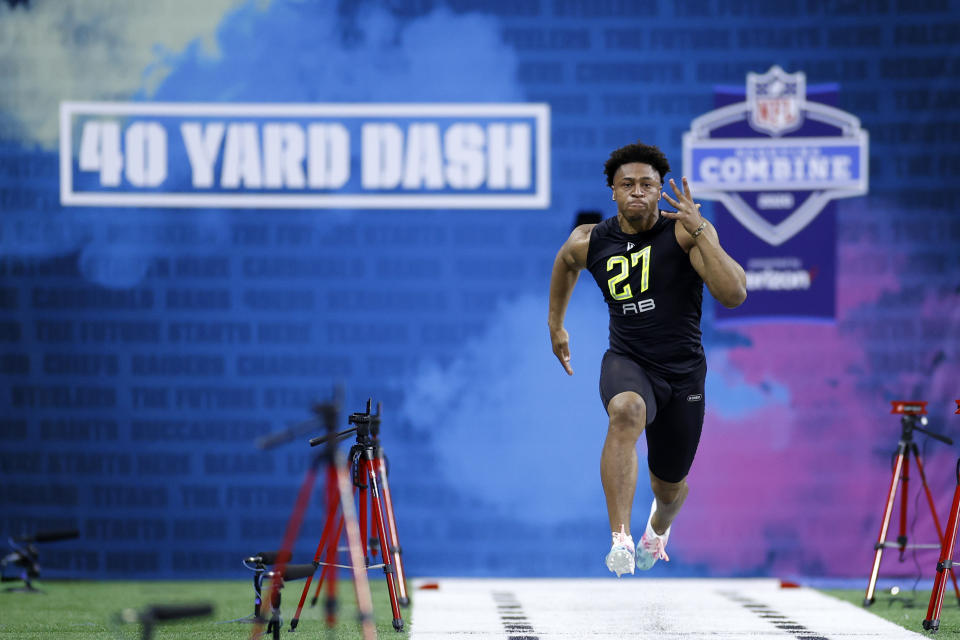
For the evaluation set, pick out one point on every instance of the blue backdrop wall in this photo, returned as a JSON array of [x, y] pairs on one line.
[[144, 348]]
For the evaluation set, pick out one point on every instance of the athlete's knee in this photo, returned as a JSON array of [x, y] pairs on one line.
[[628, 412], [668, 492]]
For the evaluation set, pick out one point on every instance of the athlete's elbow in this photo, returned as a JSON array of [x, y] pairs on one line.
[[734, 298]]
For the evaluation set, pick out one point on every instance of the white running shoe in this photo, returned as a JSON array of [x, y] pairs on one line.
[[620, 560], [651, 546]]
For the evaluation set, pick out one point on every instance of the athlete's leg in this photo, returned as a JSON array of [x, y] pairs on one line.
[[672, 441], [670, 497], [618, 461], [630, 403]]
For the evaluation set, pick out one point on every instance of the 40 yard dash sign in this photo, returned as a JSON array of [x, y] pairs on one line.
[[384, 156]]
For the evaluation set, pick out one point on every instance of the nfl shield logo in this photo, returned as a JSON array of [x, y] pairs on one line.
[[775, 100]]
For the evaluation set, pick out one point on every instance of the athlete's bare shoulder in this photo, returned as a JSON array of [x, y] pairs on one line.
[[574, 250], [581, 233]]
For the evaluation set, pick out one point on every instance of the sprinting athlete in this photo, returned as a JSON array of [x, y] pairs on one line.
[[651, 266]]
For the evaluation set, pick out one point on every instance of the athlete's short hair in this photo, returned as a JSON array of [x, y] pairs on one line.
[[637, 152]]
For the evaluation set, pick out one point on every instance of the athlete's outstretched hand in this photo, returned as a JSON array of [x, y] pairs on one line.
[[688, 211], [561, 348]]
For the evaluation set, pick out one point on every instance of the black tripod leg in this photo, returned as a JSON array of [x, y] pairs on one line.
[[258, 598], [273, 627], [904, 500]]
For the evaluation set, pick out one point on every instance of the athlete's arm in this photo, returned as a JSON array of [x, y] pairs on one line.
[[571, 258], [722, 274]]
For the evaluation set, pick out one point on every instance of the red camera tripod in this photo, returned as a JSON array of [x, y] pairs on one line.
[[945, 563], [337, 488], [369, 476], [911, 420]]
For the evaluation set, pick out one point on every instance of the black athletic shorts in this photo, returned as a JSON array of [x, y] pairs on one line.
[[674, 411]]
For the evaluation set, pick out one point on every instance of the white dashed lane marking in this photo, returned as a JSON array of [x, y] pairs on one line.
[[608, 609]]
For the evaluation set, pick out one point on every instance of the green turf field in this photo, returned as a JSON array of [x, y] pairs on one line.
[[908, 609], [80, 610]]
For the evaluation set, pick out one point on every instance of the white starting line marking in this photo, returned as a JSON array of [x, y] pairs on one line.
[[605, 609]]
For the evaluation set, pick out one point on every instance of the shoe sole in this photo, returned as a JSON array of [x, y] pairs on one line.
[[642, 562], [620, 561]]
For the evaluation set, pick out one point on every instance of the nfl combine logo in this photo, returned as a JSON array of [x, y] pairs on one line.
[[824, 156], [776, 99], [775, 154]]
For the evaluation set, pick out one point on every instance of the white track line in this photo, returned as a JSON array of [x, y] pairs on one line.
[[605, 609]]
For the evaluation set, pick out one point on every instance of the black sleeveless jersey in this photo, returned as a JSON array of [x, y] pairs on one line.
[[654, 295]]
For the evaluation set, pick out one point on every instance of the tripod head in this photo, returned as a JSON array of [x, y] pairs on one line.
[[367, 428], [327, 413], [368, 424], [26, 556], [909, 424], [913, 418], [264, 558]]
